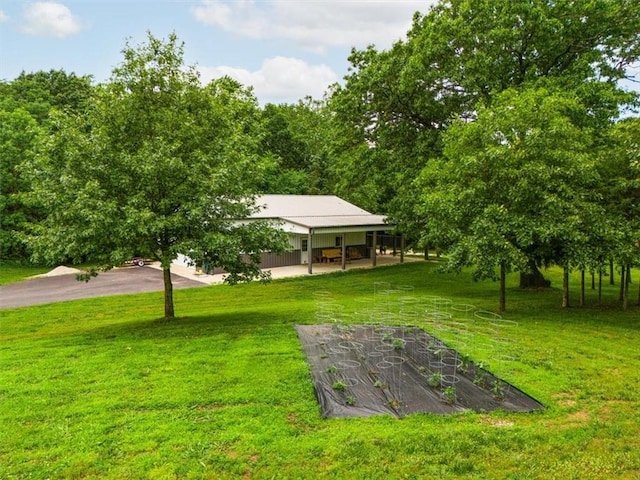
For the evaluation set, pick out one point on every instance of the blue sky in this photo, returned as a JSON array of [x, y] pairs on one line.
[[285, 49]]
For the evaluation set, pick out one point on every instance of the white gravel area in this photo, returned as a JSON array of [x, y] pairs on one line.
[[61, 270]]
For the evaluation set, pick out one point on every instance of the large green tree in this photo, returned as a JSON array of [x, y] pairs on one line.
[[19, 138], [384, 127], [620, 166], [296, 138], [158, 166], [514, 186], [396, 104], [26, 104], [41, 92]]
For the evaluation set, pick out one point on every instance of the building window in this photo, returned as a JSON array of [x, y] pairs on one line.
[[305, 245], [338, 241]]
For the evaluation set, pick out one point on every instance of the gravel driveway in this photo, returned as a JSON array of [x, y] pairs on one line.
[[65, 287]]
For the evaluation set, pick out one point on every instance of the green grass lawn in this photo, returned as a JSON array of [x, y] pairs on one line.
[[103, 388], [11, 272]]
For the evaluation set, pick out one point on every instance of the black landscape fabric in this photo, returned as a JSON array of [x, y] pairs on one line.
[[361, 370]]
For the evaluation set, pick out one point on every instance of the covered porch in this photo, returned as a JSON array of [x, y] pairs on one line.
[[369, 251], [297, 270]]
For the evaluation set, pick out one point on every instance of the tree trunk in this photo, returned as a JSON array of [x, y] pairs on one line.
[[533, 278], [593, 280], [503, 291], [169, 312], [625, 292], [622, 283], [565, 287], [600, 286], [426, 252], [639, 294], [612, 279], [582, 299]]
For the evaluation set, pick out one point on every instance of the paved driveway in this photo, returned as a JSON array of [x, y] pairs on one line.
[[66, 287]]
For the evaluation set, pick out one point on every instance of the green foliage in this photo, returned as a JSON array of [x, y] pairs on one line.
[[498, 390], [515, 185], [449, 394], [458, 57], [41, 92], [19, 138], [158, 166], [620, 169], [340, 386], [380, 384], [26, 106], [383, 131], [483, 48], [435, 379], [297, 139]]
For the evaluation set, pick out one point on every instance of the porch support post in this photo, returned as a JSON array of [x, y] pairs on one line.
[[402, 248], [344, 252], [373, 247], [310, 251]]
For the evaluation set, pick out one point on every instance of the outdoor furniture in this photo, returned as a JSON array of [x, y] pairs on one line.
[[331, 254]]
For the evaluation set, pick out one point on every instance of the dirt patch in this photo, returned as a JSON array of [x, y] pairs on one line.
[[579, 417], [498, 423], [361, 370]]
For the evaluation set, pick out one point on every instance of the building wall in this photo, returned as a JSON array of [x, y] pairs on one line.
[[271, 260], [323, 241], [295, 241], [328, 240], [357, 240]]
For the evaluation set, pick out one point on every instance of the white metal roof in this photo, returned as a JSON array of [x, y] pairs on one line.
[[317, 211]]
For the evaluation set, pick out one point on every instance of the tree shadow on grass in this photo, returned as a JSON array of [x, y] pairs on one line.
[[231, 324]]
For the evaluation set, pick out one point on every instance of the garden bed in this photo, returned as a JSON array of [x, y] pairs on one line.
[[364, 370]]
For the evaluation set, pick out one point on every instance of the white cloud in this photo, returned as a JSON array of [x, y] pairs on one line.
[[3, 17], [318, 26], [50, 19], [241, 17], [314, 25], [279, 80]]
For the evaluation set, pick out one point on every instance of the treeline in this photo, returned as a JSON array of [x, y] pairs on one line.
[[496, 135], [289, 142], [498, 132]]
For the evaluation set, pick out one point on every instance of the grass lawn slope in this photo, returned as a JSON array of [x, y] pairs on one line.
[[11, 272], [104, 389]]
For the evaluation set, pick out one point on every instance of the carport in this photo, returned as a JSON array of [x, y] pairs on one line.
[[322, 229]]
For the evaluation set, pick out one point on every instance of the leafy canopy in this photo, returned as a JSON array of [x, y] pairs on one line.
[[513, 185], [158, 166]]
